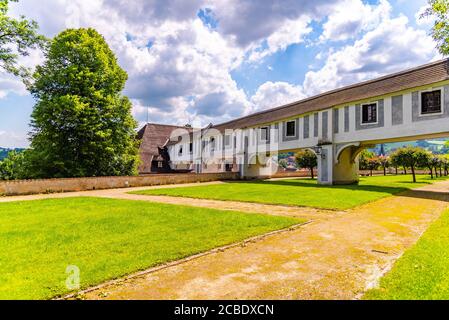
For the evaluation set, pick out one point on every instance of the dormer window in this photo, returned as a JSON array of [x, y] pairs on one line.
[[431, 102], [369, 113]]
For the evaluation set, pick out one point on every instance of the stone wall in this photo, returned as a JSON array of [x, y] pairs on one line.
[[24, 187]]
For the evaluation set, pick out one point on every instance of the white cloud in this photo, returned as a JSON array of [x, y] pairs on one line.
[[393, 46], [9, 139], [274, 94], [352, 17], [180, 69], [291, 32]]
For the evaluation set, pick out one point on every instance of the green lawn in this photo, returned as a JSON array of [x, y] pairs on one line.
[[299, 192], [107, 238], [423, 271]]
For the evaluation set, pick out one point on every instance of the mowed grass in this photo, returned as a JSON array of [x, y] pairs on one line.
[[299, 192], [422, 273], [107, 238]]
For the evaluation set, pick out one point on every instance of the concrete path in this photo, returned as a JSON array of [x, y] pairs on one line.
[[336, 258]]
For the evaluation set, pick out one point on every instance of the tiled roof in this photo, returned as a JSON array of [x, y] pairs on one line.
[[152, 136], [419, 76]]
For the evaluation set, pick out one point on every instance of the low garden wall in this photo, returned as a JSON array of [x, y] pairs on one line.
[[299, 173], [24, 187]]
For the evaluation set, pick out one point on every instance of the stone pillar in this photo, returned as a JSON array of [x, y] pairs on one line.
[[325, 164]]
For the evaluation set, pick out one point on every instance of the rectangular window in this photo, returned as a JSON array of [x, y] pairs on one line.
[[180, 150], [159, 164], [431, 102], [212, 144], [291, 129], [369, 113], [264, 134], [227, 140], [190, 147]]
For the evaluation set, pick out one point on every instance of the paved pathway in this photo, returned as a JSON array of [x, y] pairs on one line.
[[336, 258]]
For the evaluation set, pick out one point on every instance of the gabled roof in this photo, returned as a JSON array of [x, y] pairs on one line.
[[153, 136], [416, 77]]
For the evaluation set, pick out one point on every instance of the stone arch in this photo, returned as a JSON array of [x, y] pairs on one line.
[[343, 147]]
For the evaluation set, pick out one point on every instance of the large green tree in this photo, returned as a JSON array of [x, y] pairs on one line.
[[17, 37], [439, 10], [82, 125]]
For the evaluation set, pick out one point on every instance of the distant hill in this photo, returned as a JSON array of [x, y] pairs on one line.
[[436, 146], [4, 152]]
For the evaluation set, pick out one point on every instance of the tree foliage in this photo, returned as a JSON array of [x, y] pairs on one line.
[[283, 163], [363, 159], [12, 167], [384, 163], [411, 157], [306, 159], [439, 10], [17, 37], [82, 125]]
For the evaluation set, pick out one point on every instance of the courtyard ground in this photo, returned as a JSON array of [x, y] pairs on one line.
[[423, 271], [335, 258], [338, 255]]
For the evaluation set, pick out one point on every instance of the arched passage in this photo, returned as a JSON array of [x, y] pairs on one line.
[[346, 164]]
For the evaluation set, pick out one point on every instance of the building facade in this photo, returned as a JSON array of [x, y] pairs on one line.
[[336, 125]]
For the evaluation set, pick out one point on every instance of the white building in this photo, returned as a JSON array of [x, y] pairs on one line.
[[337, 125]]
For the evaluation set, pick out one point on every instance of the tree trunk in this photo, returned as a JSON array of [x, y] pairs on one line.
[[441, 172], [413, 173], [371, 172], [396, 170], [385, 171], [311, 172], [405, 170], [431, 173]]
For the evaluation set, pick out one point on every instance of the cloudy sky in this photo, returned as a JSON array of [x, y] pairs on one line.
[[203, 61]]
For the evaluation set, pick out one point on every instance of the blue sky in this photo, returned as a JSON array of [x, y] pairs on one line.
[[210, 61]]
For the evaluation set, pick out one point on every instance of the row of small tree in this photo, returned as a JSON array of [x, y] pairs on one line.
[[412, 158]]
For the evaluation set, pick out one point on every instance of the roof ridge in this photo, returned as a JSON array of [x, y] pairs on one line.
[[351, 86]]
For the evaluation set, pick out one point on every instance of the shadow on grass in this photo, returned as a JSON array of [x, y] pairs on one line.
[[310, 184], [405, 191]]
